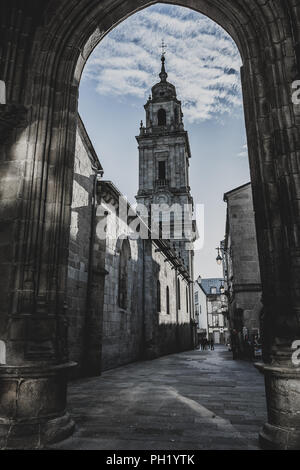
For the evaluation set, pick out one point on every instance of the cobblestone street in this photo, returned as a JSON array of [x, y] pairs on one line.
[[193, 400]]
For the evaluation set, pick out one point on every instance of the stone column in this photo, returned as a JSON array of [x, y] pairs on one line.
[[274, 150], [33, 370], [37, 142]]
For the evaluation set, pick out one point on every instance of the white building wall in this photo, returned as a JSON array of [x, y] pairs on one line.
[[201, 307]]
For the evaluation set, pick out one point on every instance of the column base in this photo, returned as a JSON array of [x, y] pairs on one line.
[[282, 431], [35, 435], [33, 406], [276, 438]]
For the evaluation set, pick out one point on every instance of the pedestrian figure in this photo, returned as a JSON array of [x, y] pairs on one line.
[[212, 344]]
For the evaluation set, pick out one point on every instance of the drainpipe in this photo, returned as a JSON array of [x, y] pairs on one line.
[[192, 312], [97, 175], [144, 346], [177, 310]]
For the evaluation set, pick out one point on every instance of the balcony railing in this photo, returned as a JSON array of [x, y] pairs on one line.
[[161, 183]]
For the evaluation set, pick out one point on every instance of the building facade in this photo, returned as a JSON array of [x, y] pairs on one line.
[[241, 270], [200, 300], [211, 300]]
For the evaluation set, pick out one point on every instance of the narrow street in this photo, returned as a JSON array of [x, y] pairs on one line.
[[193, 400]]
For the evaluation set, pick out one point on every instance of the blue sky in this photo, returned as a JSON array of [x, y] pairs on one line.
[[203, 63]]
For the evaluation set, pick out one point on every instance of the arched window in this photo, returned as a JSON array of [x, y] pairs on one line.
[[162, 117], [158, 297], [178, 294], [168, 300], [2, 353], [125, 256]]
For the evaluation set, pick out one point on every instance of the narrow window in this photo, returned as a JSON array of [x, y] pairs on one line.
[[123, 274], [173, 225], [162, 117], [168, 300], [160, 236], [158, 297], [161, 170], [178, 294]]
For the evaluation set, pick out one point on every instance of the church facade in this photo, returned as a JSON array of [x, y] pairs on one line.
[[131, 297]]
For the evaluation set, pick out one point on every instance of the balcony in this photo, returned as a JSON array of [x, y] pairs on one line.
[[161, 183]]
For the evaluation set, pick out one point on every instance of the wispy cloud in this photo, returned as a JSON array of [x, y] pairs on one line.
[[202, 61]]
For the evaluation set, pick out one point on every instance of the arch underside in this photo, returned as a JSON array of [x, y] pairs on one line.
[[252, 25], [261, 31]]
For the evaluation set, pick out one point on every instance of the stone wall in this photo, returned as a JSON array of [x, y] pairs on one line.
[[122, 338], [139, 331], [243, 274], [79, 248], [122, 328], [172, 331]]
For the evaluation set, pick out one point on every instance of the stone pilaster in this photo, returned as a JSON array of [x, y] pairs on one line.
[[272, 180], [36, 185]]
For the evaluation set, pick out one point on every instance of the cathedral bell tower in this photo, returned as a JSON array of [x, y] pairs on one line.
[[164, 154]]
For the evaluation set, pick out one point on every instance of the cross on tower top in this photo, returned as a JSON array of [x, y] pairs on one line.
[[163, 74], [163, 48]]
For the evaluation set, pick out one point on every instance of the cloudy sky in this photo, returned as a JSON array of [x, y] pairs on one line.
[[204, 64]]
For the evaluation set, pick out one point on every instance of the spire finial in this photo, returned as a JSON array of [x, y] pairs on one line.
[[163, 74], [163, 48]]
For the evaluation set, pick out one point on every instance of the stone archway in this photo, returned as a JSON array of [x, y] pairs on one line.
[[44, 51]]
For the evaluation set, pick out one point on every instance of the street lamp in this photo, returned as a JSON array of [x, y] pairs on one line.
[[219, 258]]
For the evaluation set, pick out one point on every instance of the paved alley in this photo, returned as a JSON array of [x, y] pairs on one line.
[[187, 401]]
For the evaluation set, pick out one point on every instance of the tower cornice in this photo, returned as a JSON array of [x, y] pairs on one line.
[[155, 136]]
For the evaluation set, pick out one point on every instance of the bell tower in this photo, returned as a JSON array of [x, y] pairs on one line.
[[164, 155]]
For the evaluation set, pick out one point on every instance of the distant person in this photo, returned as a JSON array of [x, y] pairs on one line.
[[212, 344]]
